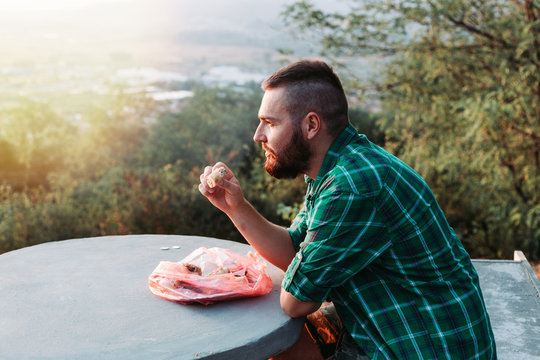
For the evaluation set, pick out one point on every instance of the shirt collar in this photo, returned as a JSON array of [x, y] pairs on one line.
[[335, 150]]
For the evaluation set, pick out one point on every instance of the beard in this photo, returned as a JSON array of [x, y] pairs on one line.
[[291, 161]]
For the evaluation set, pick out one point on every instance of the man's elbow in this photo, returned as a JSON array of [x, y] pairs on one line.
[[296, 308], [292, 311]]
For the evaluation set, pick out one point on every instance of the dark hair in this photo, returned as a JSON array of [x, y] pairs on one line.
[[312, 85]]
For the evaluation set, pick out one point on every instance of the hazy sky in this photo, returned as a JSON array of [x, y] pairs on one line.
[[182, 14], [52, 28]]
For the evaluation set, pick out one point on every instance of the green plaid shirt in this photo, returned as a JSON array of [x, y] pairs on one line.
[[373, 240]]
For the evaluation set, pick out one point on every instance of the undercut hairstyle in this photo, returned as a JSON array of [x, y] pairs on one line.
[[312, 85]]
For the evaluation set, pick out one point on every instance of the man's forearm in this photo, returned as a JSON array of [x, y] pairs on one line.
[[271, 241]]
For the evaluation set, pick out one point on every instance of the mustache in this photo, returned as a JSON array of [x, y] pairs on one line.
[[265, 148]]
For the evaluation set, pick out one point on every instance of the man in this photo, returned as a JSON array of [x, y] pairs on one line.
[[370, 236]]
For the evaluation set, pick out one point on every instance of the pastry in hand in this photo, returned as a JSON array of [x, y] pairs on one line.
[[215, 177]]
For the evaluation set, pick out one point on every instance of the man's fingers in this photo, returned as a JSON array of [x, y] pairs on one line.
[[202, 190], [204, 184], [226, 182], [207, 170]]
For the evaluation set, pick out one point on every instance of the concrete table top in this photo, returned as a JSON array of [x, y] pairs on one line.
[[512, 294], [89, 299]]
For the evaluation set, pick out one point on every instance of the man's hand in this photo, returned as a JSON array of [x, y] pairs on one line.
[[227, 195], [294, 307], [273, 242]]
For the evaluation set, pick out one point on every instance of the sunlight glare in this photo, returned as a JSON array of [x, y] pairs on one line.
[[24, 6]]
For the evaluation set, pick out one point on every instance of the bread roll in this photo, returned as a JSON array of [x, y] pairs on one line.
[[215, 177]]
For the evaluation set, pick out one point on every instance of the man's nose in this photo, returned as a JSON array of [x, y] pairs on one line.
[[259, 134]]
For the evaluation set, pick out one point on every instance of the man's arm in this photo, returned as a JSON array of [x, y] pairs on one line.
[[294, 307], [271, 241], [278, 251]]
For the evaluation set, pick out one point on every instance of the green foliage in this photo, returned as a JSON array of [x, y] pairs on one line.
[[35, 216], [33, 140], [133, 169], [112, 135], [217, 125], [368, 124], [461, 79]]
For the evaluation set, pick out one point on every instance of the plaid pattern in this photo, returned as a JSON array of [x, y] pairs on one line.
[[373, 240]]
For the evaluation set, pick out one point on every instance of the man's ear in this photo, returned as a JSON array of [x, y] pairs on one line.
[[311, 125]]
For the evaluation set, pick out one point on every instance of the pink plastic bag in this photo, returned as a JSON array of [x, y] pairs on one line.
[[209, 275]]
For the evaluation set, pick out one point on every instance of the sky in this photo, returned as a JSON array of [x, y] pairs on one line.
[[184, 14], [43, 29], [26, 5]]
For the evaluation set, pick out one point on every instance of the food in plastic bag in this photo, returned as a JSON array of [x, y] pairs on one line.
[[209, 275]]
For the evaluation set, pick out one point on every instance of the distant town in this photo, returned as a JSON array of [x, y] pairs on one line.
[[71, 62]]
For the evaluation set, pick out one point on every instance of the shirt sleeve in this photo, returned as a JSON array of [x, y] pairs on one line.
[[343, 235], [297, 230]]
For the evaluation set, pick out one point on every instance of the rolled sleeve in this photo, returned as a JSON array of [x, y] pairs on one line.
[[297, 230], [300, 286], [340, 240]]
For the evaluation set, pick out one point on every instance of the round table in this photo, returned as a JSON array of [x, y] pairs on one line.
[[89, 299]]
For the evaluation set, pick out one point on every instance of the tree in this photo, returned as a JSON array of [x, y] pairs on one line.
[[114, 133], [33, 140], [216, 124], [126, 176], [462, 81]]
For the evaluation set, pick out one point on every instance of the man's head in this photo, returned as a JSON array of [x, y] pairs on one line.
[[312, 86], [301, 100], [287, 151]]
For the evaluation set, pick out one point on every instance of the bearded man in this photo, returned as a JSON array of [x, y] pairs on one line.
[[370, 237]]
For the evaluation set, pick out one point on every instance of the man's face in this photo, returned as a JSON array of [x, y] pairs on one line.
[[287, 152]]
